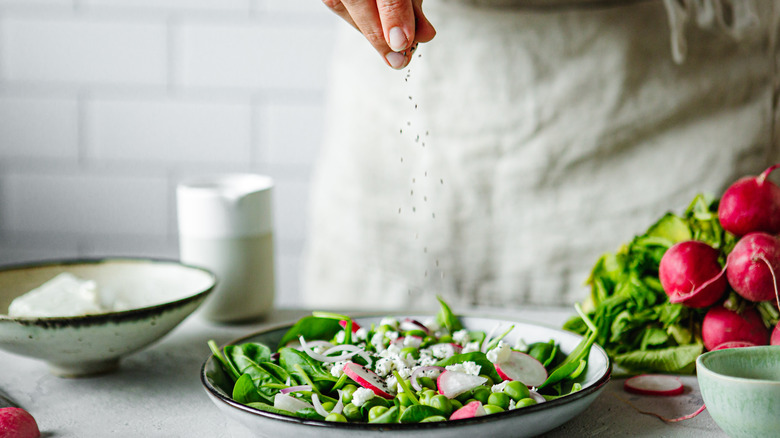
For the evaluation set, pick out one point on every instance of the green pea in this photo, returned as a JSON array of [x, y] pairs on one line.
[[455, 404], [347, 391], [463, 398], [403, 399], [426, 396], [516, 390], [352, 412], [328, 406], [441, 403], [499, 399], [481, 393], [427, 341], [410, 351], [338, 418], [419, 333], [489, 380], [492, 409], [375, 412], [445, 338], [433, 418], [427, 382], [375, 401], [525, 402]]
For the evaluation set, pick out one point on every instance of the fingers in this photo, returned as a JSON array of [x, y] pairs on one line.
[[392, 27]]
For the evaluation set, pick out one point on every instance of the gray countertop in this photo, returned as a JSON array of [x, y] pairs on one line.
[[157, 392]]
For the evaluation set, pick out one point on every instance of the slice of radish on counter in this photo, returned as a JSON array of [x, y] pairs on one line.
[[523, 368], [453, 383], [654, 384], [367, 379]]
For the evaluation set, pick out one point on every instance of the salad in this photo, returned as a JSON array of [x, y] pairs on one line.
[[328, 367]]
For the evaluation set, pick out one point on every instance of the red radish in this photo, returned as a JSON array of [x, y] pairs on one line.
[[722, 325], [654, 384], [355, 326], [751, 204], [691, 274], [775, 338], [367, 379], [752, 265], [523, 368], [734, 344], [453, 383], [469, 410], [18, 423]]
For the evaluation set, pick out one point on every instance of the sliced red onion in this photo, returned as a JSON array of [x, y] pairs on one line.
[[339, 405], [289, 403], [536, 396], [488, 337], [412, 324], [298, 388], [315, 400], [352, 349], [419, 370]]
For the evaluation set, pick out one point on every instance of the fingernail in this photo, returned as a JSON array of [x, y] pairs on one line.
[[397, 39], [395, 59]]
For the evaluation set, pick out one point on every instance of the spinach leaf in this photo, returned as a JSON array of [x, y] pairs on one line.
[[445, 318], [479, 358], [311, 328], [247, 355], [680, 359], [304, 369], [306, 413], [417, 413], [245, 391]]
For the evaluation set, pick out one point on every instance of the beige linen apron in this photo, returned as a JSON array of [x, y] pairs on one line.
[[523, 143]]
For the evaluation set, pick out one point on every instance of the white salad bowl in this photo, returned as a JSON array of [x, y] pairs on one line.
[[157, 296], [523, 422]]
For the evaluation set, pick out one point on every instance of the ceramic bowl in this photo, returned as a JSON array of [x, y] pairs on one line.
[[525, 422], [160, 295], [741, 389]]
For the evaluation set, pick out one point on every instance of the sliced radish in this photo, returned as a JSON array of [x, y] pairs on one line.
[[289, 403], [523, 368], [355, 326], [367, 379], [453, 383], [469, 410], [654, 384], [734, 344]]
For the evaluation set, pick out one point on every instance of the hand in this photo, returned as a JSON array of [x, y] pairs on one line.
[[393, 27]]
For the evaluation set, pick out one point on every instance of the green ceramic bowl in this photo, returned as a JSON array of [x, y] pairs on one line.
[[741, 389]]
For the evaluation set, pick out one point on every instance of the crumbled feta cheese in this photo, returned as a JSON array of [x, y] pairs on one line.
[[461, 337], [427, 361], [392, 322], [442, 351], [378, 341], [340, 337], [512, 405], [392, 351], [361, 334], [412, 341], [467, 367], [471, 347], [384, 366], [432, 324], [499, 387], [337, 369], [500, 353], [392, 384], [520, 345], [361, 396], [392, 336]]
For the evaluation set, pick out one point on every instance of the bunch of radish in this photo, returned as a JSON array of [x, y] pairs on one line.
[[691, 273]]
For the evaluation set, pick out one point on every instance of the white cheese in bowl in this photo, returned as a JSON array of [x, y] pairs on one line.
[[63, 295]]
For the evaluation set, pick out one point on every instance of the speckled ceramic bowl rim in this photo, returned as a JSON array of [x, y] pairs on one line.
[[701, 366], [101, 318], [421, 427]]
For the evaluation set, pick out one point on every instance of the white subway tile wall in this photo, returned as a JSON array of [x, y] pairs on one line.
[[106, 104]]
